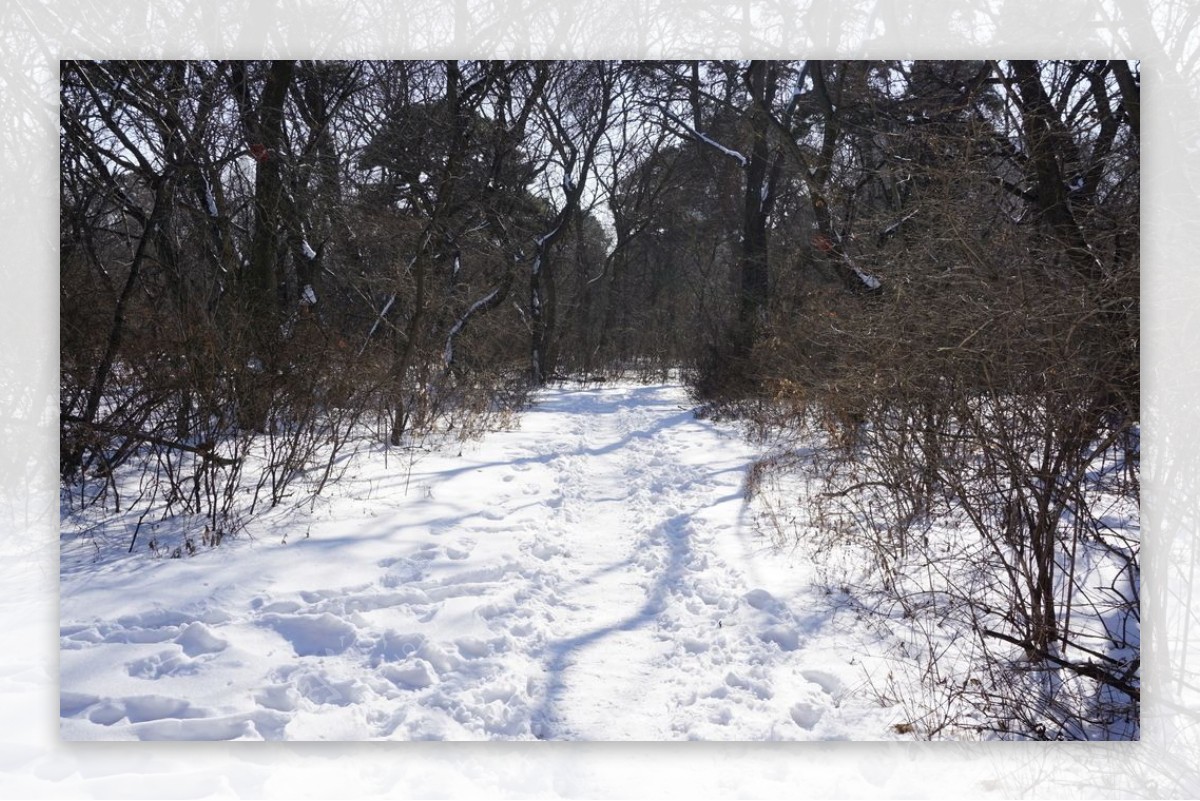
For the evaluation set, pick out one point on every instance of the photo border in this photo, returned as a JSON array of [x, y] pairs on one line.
[[35, 763]]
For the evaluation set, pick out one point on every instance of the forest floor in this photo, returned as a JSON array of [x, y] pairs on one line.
[[592, 572]]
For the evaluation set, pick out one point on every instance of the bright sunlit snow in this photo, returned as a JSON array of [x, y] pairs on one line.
[[593, 572]]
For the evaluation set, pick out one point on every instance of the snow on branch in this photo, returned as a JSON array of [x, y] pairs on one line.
[[210, 202], [386, 308], [700, 136], [870, 281], [448, 353], [894, 227]]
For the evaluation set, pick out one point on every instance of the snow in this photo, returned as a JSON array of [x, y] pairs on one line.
[[307, 250], [870, 281], [210, 203], [382, 316], [593, 572], [308, 296], [448, 352], [713, 143], [894, 227], [708, 140]]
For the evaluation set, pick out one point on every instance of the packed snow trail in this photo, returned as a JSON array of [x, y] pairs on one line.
[[593, 574]]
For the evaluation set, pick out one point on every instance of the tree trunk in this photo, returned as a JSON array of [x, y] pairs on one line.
[[266, 248], [755, 269]]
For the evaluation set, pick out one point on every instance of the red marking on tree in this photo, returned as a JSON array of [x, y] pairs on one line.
[[822, 243], [259, 152]]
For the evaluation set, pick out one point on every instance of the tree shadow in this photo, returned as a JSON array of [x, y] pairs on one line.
[[546, 719]]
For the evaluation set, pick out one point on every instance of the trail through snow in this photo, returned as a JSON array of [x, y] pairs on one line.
[[593, 574]]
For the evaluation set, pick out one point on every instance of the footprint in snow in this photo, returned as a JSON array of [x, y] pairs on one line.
[[806, 715], [279, 697], [143, 708], [762, 600], [402, 571], [829, 683], [460, 551], [164, 663], [545, 551], [72, 705], [312, 635], [261, 725], [414, 674], [426, 553], [786, 637], [477, 648], [321, 689]]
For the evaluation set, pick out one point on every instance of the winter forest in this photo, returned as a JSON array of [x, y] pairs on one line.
[[599, 400]]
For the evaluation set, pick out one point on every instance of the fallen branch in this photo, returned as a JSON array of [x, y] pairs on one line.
[[203, 450], [1087, 669]]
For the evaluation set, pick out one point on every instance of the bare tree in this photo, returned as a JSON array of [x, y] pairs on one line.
[[993, 383]]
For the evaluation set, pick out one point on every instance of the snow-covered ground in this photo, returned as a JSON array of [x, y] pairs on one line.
[[594, 573]]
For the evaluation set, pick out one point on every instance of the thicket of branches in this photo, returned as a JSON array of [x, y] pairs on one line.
[[931, 266], [981, 409]]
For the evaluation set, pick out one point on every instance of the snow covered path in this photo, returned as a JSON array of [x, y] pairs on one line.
[[593, 574]]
